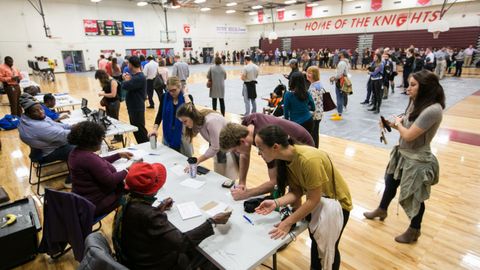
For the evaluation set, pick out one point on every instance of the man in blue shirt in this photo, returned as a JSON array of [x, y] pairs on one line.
[[48, 106], [47, 138], [135, 84]]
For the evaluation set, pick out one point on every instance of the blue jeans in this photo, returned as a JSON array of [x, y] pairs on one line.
[[339, 94], [247, 102], [60, 153]]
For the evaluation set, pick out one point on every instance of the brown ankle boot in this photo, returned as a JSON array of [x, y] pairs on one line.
[[409, 236], [379, 212]]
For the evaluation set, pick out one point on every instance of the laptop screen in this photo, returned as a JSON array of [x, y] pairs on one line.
[[84, 103]]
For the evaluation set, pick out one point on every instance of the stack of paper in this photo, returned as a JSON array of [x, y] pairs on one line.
[[188, 210]]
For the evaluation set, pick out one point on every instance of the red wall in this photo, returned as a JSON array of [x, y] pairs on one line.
[[455, 37]]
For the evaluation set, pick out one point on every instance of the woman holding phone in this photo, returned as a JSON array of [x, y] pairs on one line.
[[412, 165]]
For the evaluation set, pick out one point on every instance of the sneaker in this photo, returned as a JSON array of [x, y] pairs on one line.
[[336, 118], [67, 185]]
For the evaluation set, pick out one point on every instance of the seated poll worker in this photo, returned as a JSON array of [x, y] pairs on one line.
[[46, 138], [240, 138], [143, 237], [208, 123], [48, 106], [94, 177], [307, 171]]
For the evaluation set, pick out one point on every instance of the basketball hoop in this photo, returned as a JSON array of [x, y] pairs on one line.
[[437, 27]]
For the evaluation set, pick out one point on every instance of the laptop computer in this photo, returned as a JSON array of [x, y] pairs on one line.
[[84, 107]]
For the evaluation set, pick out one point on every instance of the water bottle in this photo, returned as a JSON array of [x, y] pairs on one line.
[[104, 148], [192, 163], [275, 195]]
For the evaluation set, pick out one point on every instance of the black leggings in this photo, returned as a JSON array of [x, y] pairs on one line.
[[389, 193], [222, 105], [315, 132], [308, 125], [315, 262]]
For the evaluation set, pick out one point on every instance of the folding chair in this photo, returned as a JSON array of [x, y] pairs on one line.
[[37, 164]]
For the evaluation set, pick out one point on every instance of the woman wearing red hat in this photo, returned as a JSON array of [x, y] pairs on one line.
[[94, 177], [143, 237]]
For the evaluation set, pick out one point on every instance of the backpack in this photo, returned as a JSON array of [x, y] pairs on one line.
[[388, 68], [9, 122], [121, 93], [158, 83]]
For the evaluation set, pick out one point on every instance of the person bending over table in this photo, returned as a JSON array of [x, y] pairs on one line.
[[240, 138], [172, 128], [94, 177], [209, 124], [412, 164], [143, 238], [307, 171]]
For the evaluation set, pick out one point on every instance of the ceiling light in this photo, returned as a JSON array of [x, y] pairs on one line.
[[230, 11], [205, 9], [281, 9], [312, 5], [199, 1], [95, 1], [231, 4], [142, 4], [175, 7], [350, 0], [252, 13], [257, 7], [290, 2]]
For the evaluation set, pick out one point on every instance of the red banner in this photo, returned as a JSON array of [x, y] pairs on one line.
[[308, 11], [423, 2], [91, 27], [260, 16], [281, 15], [376, 5]]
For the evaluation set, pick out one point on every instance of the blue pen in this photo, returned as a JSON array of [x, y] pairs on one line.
[[249, 221]]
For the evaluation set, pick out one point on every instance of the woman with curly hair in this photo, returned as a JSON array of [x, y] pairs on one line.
[[94, 177]]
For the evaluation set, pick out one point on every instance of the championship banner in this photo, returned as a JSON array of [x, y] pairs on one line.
[[308, 11], [281, 15], [108, 28], [260, 16], [376, 5], [424, 2]]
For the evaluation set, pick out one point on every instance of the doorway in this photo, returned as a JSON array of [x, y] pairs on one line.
[[73, 61], [207, 55]]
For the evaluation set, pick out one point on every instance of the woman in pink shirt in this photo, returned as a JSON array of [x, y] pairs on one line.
[[209, 124]]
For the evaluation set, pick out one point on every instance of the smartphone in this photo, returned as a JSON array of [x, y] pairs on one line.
[[202, 170], [385, 124], [228, 183]]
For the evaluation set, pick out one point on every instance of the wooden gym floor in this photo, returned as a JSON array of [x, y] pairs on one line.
[[451, 225]]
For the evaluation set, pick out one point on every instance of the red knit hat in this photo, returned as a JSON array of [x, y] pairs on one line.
[[145, 178]]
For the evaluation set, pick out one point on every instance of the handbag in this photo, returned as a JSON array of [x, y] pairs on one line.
[[209, 84], [103, 102], [327, 101]]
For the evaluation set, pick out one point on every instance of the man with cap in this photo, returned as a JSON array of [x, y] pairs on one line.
[[46, 138], [143, 237], [293, 63]]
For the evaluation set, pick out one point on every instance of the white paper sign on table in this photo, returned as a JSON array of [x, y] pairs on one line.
[[192, 183], [219, 207], [188, 210]]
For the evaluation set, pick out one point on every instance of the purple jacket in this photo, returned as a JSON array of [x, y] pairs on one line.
[[67, 218], [95, 179]]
